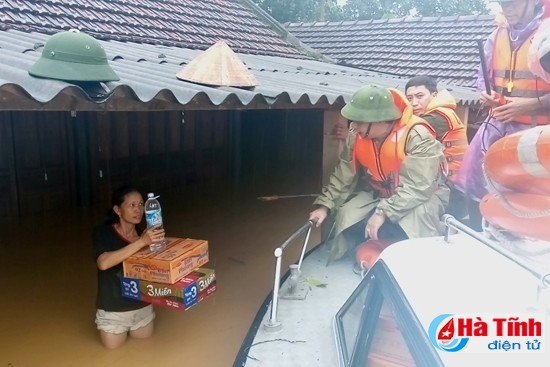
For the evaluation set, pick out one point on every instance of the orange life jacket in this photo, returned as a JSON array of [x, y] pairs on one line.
[[513, 77], [384, 162], [455, 141]]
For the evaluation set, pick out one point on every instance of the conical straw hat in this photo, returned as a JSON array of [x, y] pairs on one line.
[[218, 66]]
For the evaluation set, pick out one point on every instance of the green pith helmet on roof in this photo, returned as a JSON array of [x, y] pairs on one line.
[[73, 56], [371, 104]]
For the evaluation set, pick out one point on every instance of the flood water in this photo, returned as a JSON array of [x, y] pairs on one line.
[[48, 282]]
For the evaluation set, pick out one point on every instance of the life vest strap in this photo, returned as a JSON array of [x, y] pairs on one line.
[[517, 74], [454, 143], [516, 92], [457, 157]]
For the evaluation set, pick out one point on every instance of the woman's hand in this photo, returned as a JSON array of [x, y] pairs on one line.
[[318, 215], [151, 235], [111, 258]]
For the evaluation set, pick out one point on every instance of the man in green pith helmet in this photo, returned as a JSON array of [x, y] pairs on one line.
[[389, 182]]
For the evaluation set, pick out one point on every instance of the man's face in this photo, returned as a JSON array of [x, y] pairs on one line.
[[376, 130], [420, 97], [518, 12]]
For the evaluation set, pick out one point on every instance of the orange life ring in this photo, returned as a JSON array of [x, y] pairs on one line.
[[368, 252], [518, 170], [521, 162], [511, 212]]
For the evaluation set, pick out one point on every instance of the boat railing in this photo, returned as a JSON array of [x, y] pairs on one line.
[[455, 225], [273, 324]]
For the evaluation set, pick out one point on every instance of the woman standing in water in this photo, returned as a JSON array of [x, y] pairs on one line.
[[114, 241]]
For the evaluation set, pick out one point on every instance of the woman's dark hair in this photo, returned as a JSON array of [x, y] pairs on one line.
[[117, 199]]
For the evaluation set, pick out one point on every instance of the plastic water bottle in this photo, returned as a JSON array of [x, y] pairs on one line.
[[153, 217]]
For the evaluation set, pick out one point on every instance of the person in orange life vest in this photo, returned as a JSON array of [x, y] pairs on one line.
[[438, 109], [388, 182], [539, 51], [518, 99]]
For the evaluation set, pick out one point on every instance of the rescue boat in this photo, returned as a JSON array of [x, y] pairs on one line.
[[517, 169], [403, 312], [397, 312]]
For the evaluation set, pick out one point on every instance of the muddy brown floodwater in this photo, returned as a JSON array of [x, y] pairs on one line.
[[48, 284]]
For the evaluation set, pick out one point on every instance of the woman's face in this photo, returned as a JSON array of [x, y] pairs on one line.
[[131, 210]]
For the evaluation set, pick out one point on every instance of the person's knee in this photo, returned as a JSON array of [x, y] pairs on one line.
[[111, 340], [143, 332]]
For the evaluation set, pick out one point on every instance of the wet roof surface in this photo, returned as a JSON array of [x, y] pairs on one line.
[[148, 75], [147, 42]]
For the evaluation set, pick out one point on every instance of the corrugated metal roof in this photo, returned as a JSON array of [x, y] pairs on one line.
[[148, 80]]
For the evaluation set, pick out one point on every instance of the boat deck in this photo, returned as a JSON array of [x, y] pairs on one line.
[[306, 337]]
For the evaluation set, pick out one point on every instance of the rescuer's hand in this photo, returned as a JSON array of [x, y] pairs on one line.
[[492, 100], [318, 215], [340, 131], [373, 225], [514, 107]]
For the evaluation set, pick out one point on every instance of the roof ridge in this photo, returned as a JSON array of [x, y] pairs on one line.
[[284, 33]]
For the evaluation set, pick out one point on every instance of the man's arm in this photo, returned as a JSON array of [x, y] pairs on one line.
[[438, 122], [341, 180], [418, 174]]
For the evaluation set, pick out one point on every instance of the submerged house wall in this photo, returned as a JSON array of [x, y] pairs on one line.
[[61, 160]]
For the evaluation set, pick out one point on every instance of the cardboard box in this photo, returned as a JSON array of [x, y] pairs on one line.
[[182, 295], [176, 304], [180, 257]]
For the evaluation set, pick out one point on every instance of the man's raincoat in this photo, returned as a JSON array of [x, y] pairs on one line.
[[419, 199]]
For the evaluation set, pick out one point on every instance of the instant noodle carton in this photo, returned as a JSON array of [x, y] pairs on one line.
[[180, 257], [181, 295]]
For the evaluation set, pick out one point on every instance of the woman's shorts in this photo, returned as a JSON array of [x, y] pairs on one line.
[[121, 322]]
